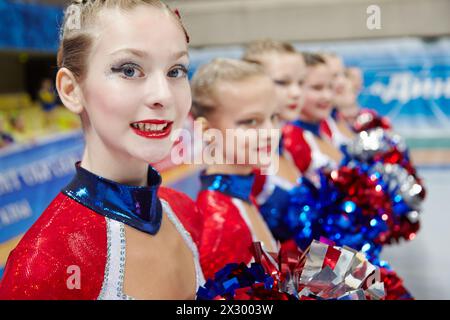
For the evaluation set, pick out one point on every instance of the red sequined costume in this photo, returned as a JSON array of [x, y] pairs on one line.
[[70, 234], [299, 145], [228, 234]]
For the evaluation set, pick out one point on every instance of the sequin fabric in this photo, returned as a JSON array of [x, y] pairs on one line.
[[235, 186], [226, 237], [295, 144], [63, 256], [135, 206]]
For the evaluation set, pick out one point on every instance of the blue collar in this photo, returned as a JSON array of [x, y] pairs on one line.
[[312, 127], [280, 146], [334, 114], [235, 186], [138, 207]]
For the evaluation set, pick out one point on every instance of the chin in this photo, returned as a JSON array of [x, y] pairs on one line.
[[153, 156], [290, 116]]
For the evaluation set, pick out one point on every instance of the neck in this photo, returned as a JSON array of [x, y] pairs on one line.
[[350, 114], [308, 119], [113, 165]]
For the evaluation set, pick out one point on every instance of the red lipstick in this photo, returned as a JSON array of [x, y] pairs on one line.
[[152, 129]]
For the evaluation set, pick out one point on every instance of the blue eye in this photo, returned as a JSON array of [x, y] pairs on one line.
[[128, 70], [281, 83], [178, 72], [248, 122], [275, 117]]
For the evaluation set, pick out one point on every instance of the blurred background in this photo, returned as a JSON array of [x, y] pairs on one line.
[[405, 62]]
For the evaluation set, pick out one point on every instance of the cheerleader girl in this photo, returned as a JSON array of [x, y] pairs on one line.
[[232, 95], [344, 99], [286, 67], [123, 69], [306, 138]]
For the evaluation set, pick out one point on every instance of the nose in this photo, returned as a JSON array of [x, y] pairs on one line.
[[339, 84], [159, 93], [327, 94], [295, 91]]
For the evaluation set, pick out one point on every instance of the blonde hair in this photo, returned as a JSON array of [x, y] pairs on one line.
[[75, 37], [209, 76], [313, 59], [255, 50]]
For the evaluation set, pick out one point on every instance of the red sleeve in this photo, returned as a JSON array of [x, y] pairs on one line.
[[67, 235], [295, 143], [325, 128], [186, 210], [258, 185], [226, 238]]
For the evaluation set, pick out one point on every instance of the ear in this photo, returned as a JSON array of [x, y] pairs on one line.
[[204, 123], [205, 126], [69, 90]]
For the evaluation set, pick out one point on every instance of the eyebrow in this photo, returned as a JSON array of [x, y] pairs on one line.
[[251, 114], [136, 52], [180, 54], [143, 54]]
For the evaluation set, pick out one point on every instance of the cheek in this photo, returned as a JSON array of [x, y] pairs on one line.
[[310, 100], [109, 103], [183, 101], [285, 96]]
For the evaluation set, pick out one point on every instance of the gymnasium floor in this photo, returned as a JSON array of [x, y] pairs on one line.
[[424, 263]]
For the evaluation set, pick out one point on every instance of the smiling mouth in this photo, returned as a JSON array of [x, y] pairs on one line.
[[152, 129], [324, 106]]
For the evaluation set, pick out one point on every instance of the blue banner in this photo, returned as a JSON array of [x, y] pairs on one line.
[[30, 177], [26, 26], [409, 81]]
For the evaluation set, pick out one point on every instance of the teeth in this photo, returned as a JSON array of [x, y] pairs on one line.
[[149, 126]]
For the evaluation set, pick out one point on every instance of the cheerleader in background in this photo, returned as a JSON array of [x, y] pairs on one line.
[[307, 138], [359, 118], [231, 95], [385, 153], [344, 97], [286, 67], [324, 203]]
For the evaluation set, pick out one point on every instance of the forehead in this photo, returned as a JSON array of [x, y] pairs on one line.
[[355, 73], [319, 73], [284, 64], [143, 27], [336, 64], [256, 94]]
